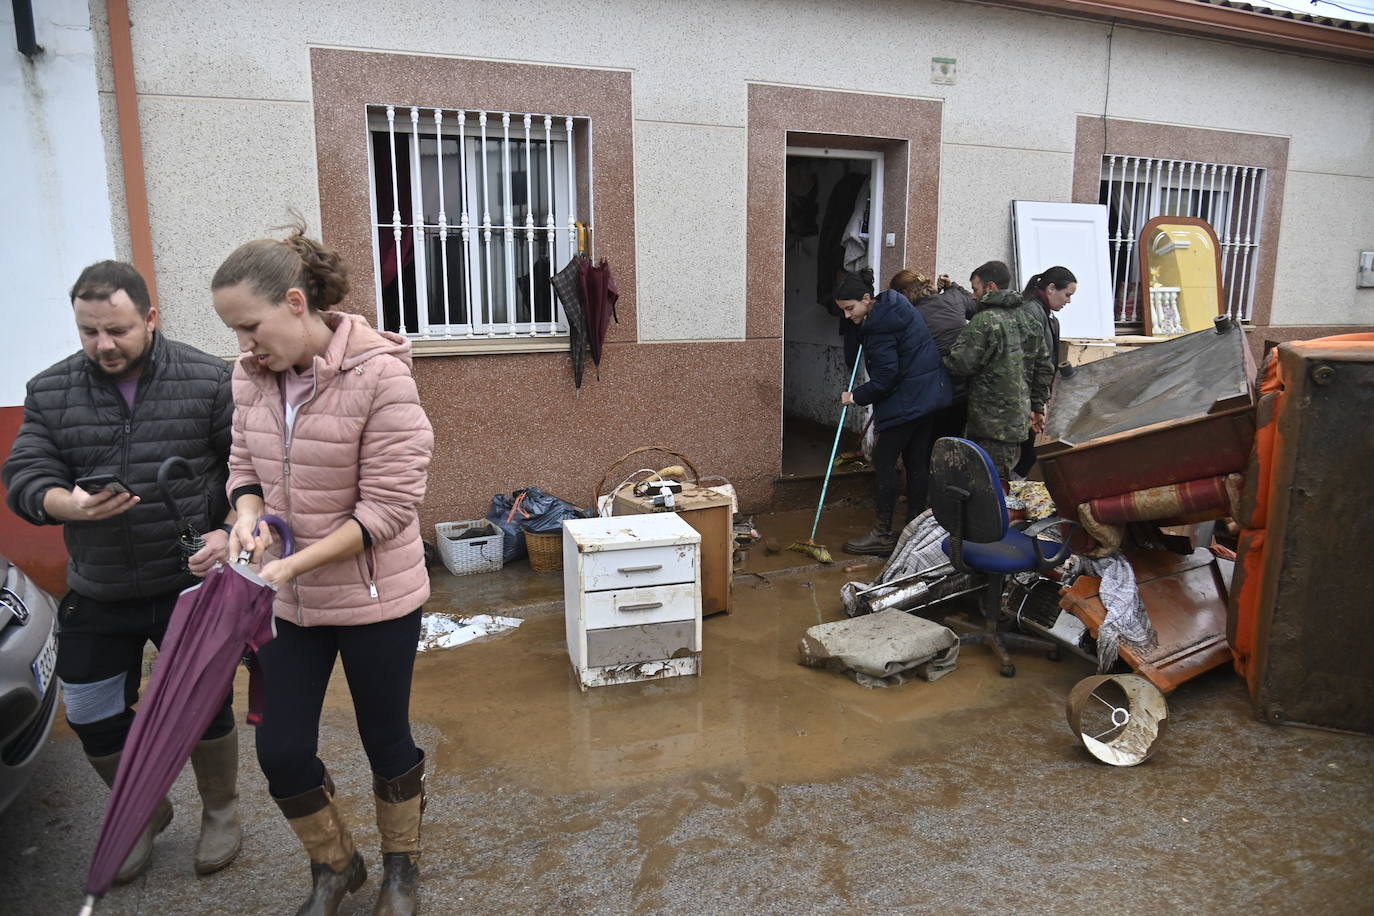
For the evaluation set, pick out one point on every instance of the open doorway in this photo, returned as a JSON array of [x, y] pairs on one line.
[[834, 223]]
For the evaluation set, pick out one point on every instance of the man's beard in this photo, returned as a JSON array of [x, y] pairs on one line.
[[132, 367]]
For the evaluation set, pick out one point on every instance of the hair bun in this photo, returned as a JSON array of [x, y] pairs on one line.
[[326, 274]]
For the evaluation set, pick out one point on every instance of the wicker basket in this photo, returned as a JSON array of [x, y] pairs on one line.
[[610, 481], [546, 550], [466, 556]]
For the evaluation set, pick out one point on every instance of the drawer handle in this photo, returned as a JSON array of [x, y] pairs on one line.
[[630, 569], [640, 607]]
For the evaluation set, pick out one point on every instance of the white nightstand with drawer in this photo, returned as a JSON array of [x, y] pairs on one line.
[[632, 597]]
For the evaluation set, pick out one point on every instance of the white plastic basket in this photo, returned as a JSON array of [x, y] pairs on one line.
[[467, 556]]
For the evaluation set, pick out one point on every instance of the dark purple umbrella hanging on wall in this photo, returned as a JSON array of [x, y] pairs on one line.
[[212, 625], [567, 284], [599, 296]]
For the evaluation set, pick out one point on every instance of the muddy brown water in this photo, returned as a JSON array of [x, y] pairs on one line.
[[753, 711], [762, 786]]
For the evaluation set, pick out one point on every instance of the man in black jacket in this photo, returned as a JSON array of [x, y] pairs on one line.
[[128, 400]]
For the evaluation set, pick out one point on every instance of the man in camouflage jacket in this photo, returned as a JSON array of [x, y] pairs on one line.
[[1003, 355]]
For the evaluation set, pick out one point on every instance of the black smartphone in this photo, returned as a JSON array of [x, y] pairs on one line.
[[99, 483]]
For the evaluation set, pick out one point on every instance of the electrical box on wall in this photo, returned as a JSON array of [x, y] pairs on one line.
[[1365, 278]]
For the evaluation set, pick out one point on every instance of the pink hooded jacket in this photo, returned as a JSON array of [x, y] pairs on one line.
[[360, 447]]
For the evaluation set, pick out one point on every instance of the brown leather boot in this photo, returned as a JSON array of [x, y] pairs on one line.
[[400, 807], [878, 543], [336, 869], [142, 853], [216, 763]]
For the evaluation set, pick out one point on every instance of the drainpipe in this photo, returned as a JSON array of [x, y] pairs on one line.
[[130, 141], [24, 36]]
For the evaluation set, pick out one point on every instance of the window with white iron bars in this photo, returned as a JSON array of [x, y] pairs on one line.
[[1230, 198], [473, 212]]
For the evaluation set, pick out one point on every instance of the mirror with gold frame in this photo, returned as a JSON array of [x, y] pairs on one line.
[[1180, 271]]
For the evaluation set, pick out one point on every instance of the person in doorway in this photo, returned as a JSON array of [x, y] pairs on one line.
[[1050, 291], [130, 399], [329, 435], [906, 386], [1003, 355]]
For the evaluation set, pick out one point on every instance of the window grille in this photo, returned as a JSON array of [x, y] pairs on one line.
[[1228, 197], [473, 212]]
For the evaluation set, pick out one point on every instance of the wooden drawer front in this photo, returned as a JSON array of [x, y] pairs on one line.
[[607, 569], [632, 645], [633, 606]]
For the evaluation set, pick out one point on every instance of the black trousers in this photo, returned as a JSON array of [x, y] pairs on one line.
[[911, 443], [100, 648], [378, 661], [949, 421]]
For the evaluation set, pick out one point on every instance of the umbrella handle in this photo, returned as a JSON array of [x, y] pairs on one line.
[[173, 466], [288, 540]]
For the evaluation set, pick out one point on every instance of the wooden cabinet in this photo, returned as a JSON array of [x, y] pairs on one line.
[[708, 512], [632, 598]]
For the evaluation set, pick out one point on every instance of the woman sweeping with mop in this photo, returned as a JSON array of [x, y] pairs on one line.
[[329, 434], [906, 386]]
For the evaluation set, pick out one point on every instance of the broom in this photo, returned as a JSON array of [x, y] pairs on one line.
[[809, 546]]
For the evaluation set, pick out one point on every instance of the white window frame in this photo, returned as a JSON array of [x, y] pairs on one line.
[[1229, 197], [485, 229]]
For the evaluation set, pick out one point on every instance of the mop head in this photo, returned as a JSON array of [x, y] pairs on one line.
[[816, 551]]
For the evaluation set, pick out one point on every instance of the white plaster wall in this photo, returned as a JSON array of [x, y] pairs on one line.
[[53, 160], [227, 171], [977, 186], [1319, 209], [1009, 120], [681, 213], [1326, 109]]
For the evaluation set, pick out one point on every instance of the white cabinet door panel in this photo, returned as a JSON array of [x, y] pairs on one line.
[[1072, 236]]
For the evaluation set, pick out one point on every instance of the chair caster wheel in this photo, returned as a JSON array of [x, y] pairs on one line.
[[1008, 671]]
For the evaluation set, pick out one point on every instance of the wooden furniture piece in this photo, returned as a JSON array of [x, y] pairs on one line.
[[709, 513], [1185, 597], [1175, 411], [632, 598]]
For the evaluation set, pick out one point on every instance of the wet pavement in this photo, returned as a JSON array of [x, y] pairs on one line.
[[765, 787]]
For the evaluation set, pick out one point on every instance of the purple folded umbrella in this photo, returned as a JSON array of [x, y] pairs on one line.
[[211, 627], [599, 295]]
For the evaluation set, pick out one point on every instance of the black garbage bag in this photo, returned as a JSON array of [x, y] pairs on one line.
[[513, 544], [546, 511], [528, 509]]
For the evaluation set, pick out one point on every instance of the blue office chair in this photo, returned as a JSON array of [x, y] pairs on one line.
[[966, 497]]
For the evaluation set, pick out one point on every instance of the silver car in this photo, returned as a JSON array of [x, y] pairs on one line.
[[29, 687]]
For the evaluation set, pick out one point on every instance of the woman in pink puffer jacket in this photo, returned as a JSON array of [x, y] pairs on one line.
[[329, 434]]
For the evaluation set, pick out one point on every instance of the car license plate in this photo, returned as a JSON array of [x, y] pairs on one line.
[[44, 664]]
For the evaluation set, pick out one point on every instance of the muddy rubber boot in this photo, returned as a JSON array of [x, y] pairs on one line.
[[142, 853], [877, 543], [400, 807], [336, 869], [216, 763]]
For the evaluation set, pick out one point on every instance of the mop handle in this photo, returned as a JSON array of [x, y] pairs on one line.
[[844, 409]]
